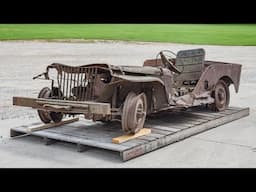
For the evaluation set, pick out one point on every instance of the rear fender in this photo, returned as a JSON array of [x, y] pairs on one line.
[[230, 73]]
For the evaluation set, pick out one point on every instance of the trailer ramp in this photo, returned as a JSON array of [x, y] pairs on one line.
[[166, 128]]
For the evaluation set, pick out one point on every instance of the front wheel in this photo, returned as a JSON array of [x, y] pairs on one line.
[[221, 96], [134, 112], [46, 116]]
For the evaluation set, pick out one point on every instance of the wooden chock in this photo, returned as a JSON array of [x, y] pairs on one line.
[[124, 138]]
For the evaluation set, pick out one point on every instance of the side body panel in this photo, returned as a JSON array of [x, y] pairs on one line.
[[229, 72]]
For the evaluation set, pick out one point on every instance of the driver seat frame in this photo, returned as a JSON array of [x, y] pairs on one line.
[[191, 64]]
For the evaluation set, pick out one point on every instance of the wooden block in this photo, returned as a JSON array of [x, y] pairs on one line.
[[50, 125], [15, 133], [128, 137]]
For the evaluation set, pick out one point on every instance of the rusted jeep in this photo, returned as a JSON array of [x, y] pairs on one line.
[[104, 92]]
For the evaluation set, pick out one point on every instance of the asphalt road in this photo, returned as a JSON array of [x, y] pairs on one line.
[[230, 145]]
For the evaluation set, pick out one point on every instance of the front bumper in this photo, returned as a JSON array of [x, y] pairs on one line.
[[64, 106]]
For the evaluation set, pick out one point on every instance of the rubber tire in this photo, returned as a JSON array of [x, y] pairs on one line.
[[44, 115], [56, 116], [215, 106], [129, 113]]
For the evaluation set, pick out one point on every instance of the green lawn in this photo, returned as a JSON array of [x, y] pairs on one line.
[[217, 34]]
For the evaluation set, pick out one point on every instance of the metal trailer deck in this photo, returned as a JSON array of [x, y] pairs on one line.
[[166, 128]]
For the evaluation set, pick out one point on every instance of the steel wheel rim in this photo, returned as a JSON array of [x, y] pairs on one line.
[[125, 112], [140, 111]]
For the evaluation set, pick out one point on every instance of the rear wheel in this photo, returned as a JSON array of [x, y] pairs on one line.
[[221, 96], [134, 112]]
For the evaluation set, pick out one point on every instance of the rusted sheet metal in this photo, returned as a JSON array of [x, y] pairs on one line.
[[153, 63], [229, 72], [145, 70], [101, 91], [140, 79]]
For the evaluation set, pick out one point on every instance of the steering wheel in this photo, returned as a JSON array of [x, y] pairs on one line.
[[168, 63]]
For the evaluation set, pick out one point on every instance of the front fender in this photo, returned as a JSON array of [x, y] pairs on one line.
[[139, 79]]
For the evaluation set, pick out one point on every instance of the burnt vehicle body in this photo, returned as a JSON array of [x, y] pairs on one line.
[[104, 92]]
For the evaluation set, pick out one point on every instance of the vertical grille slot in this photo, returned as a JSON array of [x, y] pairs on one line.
[[84, 83], [64, 83], [67, 80], [88, 86]]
